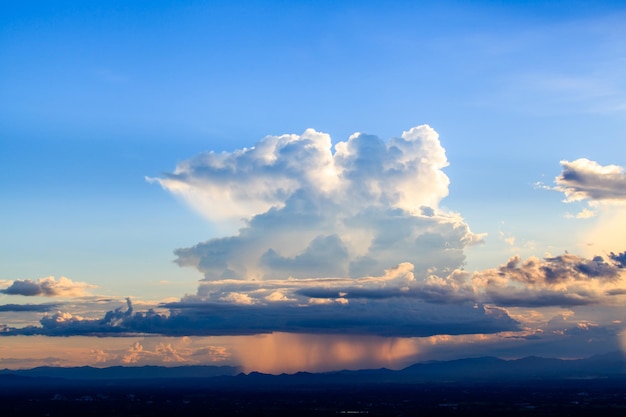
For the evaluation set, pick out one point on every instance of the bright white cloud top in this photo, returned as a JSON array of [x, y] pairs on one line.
[[309, 211], [404, 173]]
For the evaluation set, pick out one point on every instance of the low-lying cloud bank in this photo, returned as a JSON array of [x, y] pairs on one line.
[[400, 318], [394, 304]]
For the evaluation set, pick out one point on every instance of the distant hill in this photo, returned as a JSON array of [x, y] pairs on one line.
[[532, 367], [125, 372], [482, 369]]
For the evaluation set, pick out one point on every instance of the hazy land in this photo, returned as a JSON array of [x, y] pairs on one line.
[[478, 386]]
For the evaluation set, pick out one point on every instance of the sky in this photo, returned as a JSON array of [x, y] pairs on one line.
[[287, 186]]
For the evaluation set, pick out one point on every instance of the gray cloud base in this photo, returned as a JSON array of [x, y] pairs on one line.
[[402, 318]]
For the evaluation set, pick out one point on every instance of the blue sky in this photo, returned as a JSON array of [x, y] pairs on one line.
[[95, 98]]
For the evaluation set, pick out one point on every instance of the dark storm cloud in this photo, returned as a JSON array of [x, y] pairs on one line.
[[403, 318]]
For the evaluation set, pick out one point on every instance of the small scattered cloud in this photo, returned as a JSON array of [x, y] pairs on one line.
[[601, 187], [585, 213], [507, 238], [584, 179], [48, 287], [174, 352], [163, 352]]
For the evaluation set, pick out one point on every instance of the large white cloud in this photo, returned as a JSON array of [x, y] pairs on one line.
[[310, 212], [403, 173]]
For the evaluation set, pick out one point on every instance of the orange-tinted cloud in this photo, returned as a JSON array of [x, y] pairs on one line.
[[48, 287]]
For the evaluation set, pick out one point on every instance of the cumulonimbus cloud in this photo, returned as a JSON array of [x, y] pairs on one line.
[[311, 210], [47, 287]]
